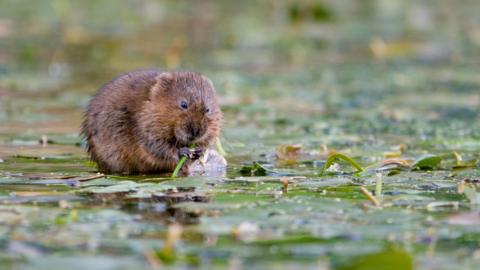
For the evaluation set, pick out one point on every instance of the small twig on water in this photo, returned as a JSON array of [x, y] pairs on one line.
[[369, 196], [285, 185], [88, 178]]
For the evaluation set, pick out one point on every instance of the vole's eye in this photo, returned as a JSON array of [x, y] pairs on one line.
[[184, 104], [207, 110]]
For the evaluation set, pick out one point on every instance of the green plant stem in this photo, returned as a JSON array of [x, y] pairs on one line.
[[180, 164], [220, 148]]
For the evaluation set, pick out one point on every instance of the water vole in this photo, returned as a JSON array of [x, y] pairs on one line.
[[143, 121]]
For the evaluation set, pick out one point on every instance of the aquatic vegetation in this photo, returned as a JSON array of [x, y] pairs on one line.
[[352, 132]]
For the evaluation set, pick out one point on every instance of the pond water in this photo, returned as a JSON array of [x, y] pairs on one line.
[[393, 85]]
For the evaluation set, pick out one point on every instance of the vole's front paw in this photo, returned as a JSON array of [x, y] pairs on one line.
[[184, 151], [197, 152], [194, 153]]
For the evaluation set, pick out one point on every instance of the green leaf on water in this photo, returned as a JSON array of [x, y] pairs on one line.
[[334, 156], [253, 170], [167, 255], [427, 161], [392, 259]]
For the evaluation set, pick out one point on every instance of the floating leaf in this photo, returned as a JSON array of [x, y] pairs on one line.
[[37, 199], [289, 151], [392, 154], [253, 170], [38, 176], [393, 259], [177, 197], [465, 165], [334, 156], [427, 161], [258, 169], [396, 161]]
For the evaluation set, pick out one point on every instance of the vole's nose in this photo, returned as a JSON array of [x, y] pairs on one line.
[[195, 131]]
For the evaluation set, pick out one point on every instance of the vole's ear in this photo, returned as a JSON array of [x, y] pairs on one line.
[[163, 84], [209, 82]]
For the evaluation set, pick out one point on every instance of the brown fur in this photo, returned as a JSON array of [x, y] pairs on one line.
[[135, 123]]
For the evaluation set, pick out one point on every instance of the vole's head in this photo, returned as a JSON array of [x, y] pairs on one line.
[[185, 104]]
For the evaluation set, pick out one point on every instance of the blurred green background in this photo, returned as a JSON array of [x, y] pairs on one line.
[[318, 56]]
